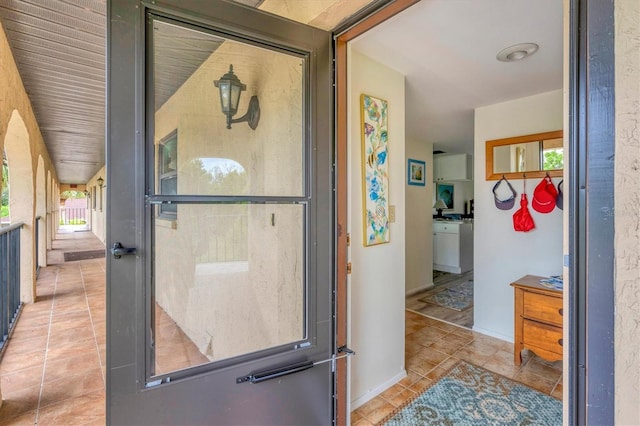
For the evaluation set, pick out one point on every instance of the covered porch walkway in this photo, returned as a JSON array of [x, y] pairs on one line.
[[53, 370]]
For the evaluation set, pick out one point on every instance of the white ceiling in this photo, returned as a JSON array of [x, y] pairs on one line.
[[447, 51]]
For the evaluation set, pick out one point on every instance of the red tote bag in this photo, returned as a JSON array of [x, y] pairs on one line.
[[522, 220]]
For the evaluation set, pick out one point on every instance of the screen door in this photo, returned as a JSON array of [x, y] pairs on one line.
[[219, 216]]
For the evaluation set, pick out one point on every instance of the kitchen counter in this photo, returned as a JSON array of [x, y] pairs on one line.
[[452, 246]]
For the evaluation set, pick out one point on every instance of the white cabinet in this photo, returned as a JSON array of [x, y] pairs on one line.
[[452, 167], [453, 246]]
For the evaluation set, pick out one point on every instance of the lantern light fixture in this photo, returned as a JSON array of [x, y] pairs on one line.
[[230, 88], [100, 181]]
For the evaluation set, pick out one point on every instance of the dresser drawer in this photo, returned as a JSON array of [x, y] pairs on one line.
[[543, 308], [542, 336]]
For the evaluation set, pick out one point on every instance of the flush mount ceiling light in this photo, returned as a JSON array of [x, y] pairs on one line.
[[517, 52]]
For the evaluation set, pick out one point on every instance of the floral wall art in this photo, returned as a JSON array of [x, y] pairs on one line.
[[375, 170]]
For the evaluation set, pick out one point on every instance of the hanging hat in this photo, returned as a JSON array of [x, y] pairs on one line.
[[509, 202], [544, 196], [522, 220], [560, 199]]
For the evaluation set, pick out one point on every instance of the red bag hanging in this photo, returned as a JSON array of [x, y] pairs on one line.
[[522, 220]]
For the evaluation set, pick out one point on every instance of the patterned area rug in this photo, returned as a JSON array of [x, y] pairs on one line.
[[459, 297], [439, 274], [83, 255], [470, 395]]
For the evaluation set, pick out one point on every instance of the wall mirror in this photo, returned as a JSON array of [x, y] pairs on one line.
[[529, 156]]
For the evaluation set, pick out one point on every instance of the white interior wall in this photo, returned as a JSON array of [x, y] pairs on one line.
[[501, 254], [419, 221], [377, 283]]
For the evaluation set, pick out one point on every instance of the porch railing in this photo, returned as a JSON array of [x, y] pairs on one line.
[[9, 280], [73, 216]]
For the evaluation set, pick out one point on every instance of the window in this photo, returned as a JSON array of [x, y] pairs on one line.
[[168, 173], [552, 154]]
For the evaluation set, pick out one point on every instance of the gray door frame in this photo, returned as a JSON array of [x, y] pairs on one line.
[[591, 213], [304, 397], [591, 134]]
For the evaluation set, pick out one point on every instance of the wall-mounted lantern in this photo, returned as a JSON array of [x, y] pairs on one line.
[[100, 182], [230, 88]]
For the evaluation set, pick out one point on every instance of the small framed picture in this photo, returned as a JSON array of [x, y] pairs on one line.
[[415, 172], [444, 192]]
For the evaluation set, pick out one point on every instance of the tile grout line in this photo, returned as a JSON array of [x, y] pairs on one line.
[[46, 351], [93, 328]]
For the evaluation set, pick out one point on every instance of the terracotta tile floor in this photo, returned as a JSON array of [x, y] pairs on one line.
[[432, 347], [53, 370]]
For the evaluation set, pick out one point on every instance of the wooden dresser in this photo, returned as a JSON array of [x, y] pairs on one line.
[[538, 319]]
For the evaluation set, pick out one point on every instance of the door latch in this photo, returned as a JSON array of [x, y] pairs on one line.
[[118, 250], [346, 350]]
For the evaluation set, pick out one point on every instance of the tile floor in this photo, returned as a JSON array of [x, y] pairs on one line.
[[432, 347], [53, 371], [442, 281]]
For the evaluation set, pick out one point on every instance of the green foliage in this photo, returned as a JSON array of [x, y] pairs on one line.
[[74, 222], [215, 180], [553, 160], [72, 194], [4, 211]]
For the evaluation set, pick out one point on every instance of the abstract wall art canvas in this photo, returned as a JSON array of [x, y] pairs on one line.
[[445, 193], [375, 170]]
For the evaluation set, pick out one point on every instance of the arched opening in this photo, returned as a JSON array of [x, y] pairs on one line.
[[5, 219], [50, 228], [41, 215], [21, 199]]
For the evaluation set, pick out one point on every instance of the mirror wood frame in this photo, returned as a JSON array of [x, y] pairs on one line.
[[490, 175]]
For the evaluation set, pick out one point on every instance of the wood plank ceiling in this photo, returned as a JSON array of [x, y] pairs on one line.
[[59, 48]]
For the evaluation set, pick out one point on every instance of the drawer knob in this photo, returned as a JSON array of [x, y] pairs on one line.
[[561, 311], [560, 342]]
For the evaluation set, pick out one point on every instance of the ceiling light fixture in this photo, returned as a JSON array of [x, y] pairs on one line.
[[517, 52]]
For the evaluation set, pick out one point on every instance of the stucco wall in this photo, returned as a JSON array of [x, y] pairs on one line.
[[231, 275], [512, 254], [627, 212], [377, 283], [17, 121], [98, 209]]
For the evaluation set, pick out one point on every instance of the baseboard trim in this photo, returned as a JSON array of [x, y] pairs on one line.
[[493, 334], [444, 268], [360, 401], [419, 289]]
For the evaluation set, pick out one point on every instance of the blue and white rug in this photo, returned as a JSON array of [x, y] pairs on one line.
[[471, 395], [458, 297]]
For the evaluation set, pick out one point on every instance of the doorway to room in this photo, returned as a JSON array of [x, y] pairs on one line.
[[496, 290]]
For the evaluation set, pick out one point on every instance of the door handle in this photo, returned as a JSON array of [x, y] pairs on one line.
[[118, 250], [274, 373]]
